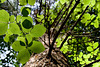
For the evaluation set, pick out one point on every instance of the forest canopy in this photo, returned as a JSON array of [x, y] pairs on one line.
[[73, 25]]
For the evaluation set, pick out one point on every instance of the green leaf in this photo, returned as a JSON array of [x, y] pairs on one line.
[[90, 48], [27, 24], [92, 16], [58, 42], [21, 39], [12, 18], [18, 18], [23, 19], [3, 28], [98, 5], [99, 15], [31, 2], [84, 56], [23, 2], [90, 44], [96, 64], [96, 51], [87, 23], [62, 1], [83, 62], [23, 56], [88, 55], [14, 28], [98, 56], [87, 16], [37, 47], [25, 11], [6, 39], [17, 47], [96, 24], [81, 54], [95, 45], [2, 1], [9, 32], [4, 16], [38, 30], [29, 38], [39, 17], [80, 59], [28, 18], [86, 2], [92, 3]]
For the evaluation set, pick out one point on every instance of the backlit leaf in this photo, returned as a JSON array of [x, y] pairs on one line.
[[90, 48], [62, 1], [23, 56], [83, 62], [3, 28], [29, 38], [98, 5], [96, 24], [30, 20], [21, 39], [86, 2], [37, 47], [27, 24], [31, 2], [84, 56], [17, 47], [2, 1], [22, 2], [96, 64], [14, 28], [6, 39], [87, 16], [4, 16], [25, 11], [95, 45], [12, 18], [39, 17], [96, 51], [18, 18], [92, 3], [38, 30]]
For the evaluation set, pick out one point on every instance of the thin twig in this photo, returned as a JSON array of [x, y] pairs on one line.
[[10, 4], [91, 63], [69, 32], [79, 19], [62, 16], [44, 41], [51, 47], [53, 24], [40, 1]]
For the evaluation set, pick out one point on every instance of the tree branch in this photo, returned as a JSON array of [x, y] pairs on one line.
[[79, 19], [10, 4], [53, 24], [69, 32], [91, 63], [62, 16], [51, 46], [43, 41], [40, 1]]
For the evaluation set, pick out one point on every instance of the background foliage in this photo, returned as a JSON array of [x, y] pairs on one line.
[[76, 23]]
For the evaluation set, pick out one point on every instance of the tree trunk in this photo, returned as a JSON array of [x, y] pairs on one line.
[[43, 60]]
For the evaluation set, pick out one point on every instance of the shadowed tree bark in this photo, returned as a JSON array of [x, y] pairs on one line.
[[52, 56], [42, 60]]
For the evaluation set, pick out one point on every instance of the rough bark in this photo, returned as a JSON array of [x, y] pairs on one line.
[[43, 60]]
